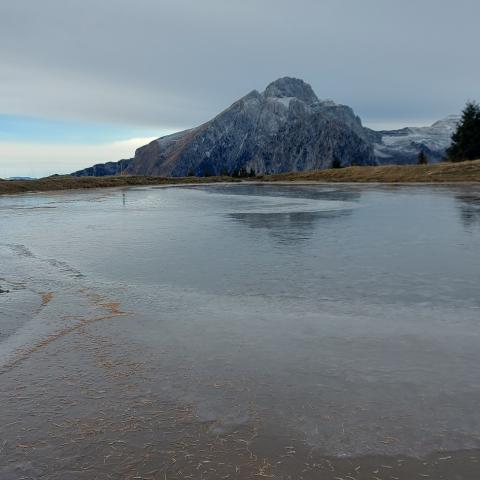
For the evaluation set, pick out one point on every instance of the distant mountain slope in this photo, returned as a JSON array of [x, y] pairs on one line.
[[402, 146], [286, 128], [104, 169], [20, 178]]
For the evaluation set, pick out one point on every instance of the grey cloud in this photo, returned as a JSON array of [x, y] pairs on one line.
[[177, 63]]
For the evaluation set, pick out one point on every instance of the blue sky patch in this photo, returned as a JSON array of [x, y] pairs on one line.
[[17, 128]]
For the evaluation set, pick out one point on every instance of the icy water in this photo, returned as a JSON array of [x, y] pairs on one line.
[[241, 332]]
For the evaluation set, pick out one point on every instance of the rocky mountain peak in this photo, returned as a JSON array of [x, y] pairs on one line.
[[288, 87], [283, 129]]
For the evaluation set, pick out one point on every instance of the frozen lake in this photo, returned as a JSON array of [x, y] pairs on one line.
[[241, 331]]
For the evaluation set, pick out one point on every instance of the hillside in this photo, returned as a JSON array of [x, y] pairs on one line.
[[463, 172], [68, 182]]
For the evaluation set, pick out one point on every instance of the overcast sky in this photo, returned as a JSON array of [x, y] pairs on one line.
[[91, 75]]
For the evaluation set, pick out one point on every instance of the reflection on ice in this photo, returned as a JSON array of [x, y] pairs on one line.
[[469, 206], [291, 227]]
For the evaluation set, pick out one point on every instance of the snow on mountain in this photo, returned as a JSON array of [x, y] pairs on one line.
[[403, 146]]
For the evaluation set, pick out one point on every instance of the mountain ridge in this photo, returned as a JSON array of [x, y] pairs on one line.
[[285, 128]]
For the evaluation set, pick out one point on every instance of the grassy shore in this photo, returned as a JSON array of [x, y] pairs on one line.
[[72, 183], [463, 172]]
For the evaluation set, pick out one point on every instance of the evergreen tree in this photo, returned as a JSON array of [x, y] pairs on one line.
[[422, 158], [336, 163], [466, 140], [208, 172]]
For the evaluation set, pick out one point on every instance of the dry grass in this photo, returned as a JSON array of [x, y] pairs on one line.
[[71, 183], [46, 298], [438, 173]]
